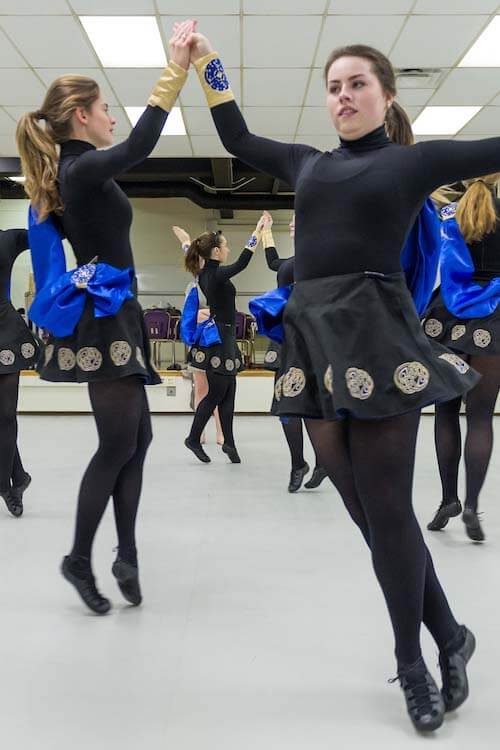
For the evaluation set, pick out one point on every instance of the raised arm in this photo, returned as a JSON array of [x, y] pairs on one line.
[[95, 167], [224, 273], [274, 262], [446, 161], [282, 160]]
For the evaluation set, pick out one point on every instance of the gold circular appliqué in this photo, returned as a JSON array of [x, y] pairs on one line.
[[66, 359], [89, 359], [456, 361], [294, 382], [359, 383], [120, 353], [411, 377], [433, 327], [482, 338]]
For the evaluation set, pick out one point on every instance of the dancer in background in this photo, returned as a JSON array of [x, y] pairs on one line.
[[221, 361], [200, 382], [470, 286], [110, 352], [18, 351], [292, 426], [355, 357]]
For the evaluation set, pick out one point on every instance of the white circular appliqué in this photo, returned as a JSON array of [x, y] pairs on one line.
[[7, 357], [433, 327], [482, 338], [456, 361], [359, 383], [411, 377], [66, 358], [120, 353], [294, 382], [27, 350], [89, 359], [328, 379], [457, 332]]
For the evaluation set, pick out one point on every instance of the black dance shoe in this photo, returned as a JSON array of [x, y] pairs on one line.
[[79, 573], [472, 525], [127, 576], [297, 477], [316, 478], [16, 493], [443, 515], [453, 665], [14, 506], [231, 453], [424, 702], [197, 450]]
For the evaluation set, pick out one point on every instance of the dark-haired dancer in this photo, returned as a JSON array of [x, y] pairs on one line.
[[110, 352], [292, 426], [18, 350], [477, 340], [221, 362], [354, 347]]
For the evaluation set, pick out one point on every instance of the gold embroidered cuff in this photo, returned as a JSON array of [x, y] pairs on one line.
[[168, 86], [213, 80], [268, 239]]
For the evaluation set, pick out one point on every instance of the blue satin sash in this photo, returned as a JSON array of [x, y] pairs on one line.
[[420, 255], [61, 295], [192, 332], [268, 309], [462, 296]]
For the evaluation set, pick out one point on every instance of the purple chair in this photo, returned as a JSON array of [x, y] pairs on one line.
[[157, 325], [245, 336]]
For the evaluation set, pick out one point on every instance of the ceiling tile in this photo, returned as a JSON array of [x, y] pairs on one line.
[[50, 42], [274, 87], [454, 7], [272, 120], [133, 86], [468, 86], [381, 7], [199, 121], [192, 94], [413, 112], [172, 145], [8, 145], [316, 121], [16, 112], [50, 74], [29, 7], [199, 7], [9, 56], [114, 8], [485, 123], [7, 124], [300, 32], [412, 97], [376, 31], [206, 145], [284, 7], [438, 41], [316, 94], [496, 101], [20, 86], [223, 32]]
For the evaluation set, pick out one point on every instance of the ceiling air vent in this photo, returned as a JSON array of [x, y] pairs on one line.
[[418, 78]]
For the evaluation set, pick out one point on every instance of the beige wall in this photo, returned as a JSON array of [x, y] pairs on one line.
[[157, 254]]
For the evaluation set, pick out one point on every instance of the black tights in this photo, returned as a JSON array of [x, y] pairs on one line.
[[221, 394], [11, 467], [371, 464], [124, 430], [479, 407], [294, 434]]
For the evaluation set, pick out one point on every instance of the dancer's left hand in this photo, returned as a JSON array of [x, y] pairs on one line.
[[180, 42], [181, 235]]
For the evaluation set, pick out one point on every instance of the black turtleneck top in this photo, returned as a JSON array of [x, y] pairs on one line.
[[216, 285], [486, 253], [282, 266], [97, 214], [12, 243], [355, 205]]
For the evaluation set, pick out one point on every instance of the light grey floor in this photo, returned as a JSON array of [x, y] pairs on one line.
[[263, 627]]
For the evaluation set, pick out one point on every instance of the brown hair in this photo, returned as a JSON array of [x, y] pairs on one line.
[[37, 145], [476, 215], [397, 122], [200, 249]]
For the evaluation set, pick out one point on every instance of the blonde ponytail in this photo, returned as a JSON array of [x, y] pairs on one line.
[[398, 126], [476, 214]]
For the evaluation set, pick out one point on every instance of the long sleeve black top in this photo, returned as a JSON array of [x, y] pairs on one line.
[[219, 290], [97, 214], [12, 243], [283, 266], [486, 253], [355, 205]]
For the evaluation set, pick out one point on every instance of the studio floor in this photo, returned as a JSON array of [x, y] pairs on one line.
[[262, 627]]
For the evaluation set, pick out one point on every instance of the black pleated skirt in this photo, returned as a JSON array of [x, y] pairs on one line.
[[101, 349], [224, 358], [354, 346], [463, 335], [19, 349]]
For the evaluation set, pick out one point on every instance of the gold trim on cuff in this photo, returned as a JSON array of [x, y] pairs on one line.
[[214, 96], [168, 86], [268, 239]]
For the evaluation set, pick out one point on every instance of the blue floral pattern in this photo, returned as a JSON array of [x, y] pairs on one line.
[[215, 75]]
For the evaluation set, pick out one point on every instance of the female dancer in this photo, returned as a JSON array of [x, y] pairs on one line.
[[353, 343], [18, 350], [477, 340], [292, 426], [223, 361], [200, 382], [110, 353]]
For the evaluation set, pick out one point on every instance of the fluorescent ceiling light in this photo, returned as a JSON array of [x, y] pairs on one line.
[[485, 53], [21, 179], [126, 41], [443, 120], [174, 125]]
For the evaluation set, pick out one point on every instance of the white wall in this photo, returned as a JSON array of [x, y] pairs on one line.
[[157, 254]]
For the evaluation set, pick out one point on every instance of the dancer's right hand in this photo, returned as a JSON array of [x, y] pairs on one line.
[[181, 235], [200, 46], [180, 42]]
